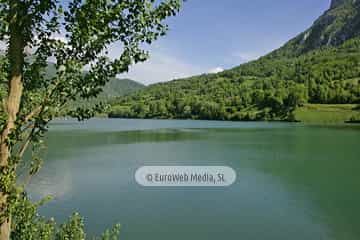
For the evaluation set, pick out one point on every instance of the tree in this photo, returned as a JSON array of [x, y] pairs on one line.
[[297, 96], [31, 30]]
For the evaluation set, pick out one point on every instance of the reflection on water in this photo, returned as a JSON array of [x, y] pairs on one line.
[[88, 139], [56, 181], [293, 181]]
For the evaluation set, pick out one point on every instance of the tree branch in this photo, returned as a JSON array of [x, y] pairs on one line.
[[34, 112]]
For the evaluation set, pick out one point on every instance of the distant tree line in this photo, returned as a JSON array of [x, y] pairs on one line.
[[270, 88]]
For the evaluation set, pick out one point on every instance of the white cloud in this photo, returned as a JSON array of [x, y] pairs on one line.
[[247, 56], [216, 70], [162, 65], [160, 68]]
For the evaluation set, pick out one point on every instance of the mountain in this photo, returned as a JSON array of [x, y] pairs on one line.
[[114, 88], [338, 24], [120, 87], [319, 66], [336, 3]]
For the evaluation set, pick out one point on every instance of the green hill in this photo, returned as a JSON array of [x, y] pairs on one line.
[[319, 66], [114, 88], [120, 87]]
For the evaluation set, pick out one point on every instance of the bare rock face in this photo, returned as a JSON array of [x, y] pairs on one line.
[[336, 3], [337, 25]]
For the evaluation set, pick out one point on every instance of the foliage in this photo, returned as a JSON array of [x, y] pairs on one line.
[[31, 97], [113, 88], [266, 89], [321, 65], [30, 226]]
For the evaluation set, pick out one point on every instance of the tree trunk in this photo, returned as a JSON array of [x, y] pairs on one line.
[[12, 103], [12, 106]]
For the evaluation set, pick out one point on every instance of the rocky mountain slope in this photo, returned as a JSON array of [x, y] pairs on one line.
[[338, 24], [320, 65]]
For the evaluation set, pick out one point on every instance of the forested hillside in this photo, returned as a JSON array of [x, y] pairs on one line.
[[114, 88], [267, 89], [308, 69]]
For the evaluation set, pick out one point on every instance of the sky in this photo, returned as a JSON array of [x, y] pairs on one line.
[[208, 36], [212, 35]]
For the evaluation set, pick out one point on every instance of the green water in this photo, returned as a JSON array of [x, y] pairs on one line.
[[293, 182]]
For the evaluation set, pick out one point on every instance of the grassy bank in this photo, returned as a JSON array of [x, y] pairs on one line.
[[327, 113]]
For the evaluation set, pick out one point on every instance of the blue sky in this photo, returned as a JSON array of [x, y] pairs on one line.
[[211, 35]]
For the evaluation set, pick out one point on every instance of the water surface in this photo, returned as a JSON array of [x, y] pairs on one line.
[[294, 181]]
